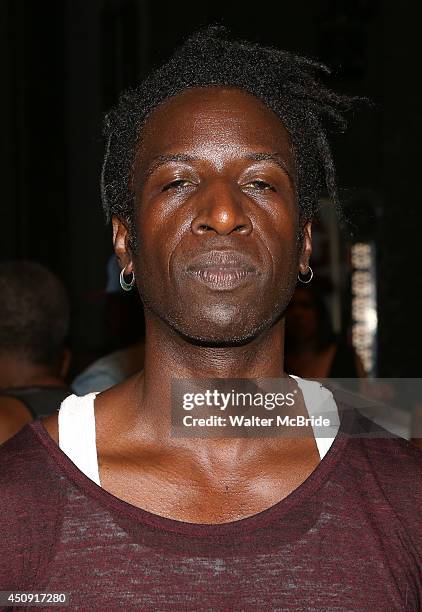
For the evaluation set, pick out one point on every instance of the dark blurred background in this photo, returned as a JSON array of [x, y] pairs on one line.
[[63, 63]]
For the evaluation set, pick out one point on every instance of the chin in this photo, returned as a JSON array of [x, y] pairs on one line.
[[217, 341], [223, 331]]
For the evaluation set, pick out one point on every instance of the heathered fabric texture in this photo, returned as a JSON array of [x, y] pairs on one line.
[[349, 538]]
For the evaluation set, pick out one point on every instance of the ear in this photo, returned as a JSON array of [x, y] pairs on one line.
[[121, 244], [306, 249]]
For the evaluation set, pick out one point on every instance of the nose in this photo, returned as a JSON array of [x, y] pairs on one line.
[[220, 210]]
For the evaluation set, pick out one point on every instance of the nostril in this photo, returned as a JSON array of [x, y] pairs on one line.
[[213, 221]]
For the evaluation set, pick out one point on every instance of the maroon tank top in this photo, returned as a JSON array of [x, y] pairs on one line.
[[348, 538]]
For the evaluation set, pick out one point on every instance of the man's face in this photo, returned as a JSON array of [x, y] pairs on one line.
[[216, 218]]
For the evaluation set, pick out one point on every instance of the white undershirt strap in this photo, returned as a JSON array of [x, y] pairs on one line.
[[77, 433], [77, 425], [320, 402]]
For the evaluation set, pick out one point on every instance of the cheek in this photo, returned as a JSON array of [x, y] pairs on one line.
[[277, 215], [284, 247], [158, 237], [149, 253]]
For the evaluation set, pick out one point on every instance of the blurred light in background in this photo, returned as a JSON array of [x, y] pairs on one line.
[[364, 304]]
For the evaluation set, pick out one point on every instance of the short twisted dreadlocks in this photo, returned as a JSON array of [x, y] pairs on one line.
[[286, 83]]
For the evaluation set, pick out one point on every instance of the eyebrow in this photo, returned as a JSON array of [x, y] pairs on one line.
[[276, 158], [161, 160]]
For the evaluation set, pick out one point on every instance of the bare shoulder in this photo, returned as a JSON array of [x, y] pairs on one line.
[[109, 411], [13, 416]]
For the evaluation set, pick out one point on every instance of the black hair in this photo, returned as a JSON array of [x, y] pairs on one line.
[[34, 313], [288, 84]]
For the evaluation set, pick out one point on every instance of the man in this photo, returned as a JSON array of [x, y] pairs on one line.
[[34, 359], [211, 178]]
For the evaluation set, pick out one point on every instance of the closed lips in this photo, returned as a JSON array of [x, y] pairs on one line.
[[221, 270], [221, 260]]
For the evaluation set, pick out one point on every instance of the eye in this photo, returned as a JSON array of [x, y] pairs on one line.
[[260, 185], [176, 184]]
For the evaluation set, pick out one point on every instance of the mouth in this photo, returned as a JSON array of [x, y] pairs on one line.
[[222, 270]]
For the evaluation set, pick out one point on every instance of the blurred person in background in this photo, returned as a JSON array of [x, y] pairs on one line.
[[312, 349], [126, 330], [34, 359]]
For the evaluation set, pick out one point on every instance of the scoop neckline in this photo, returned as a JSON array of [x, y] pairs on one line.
[[238, 527]]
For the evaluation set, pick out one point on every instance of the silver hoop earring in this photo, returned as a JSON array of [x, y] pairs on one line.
[[124, 285], [305, 282]]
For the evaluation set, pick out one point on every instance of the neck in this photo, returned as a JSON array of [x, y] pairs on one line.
[[169, 357], [18, 372]]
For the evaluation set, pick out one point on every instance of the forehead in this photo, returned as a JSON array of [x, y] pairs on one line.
[[214, 117]]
